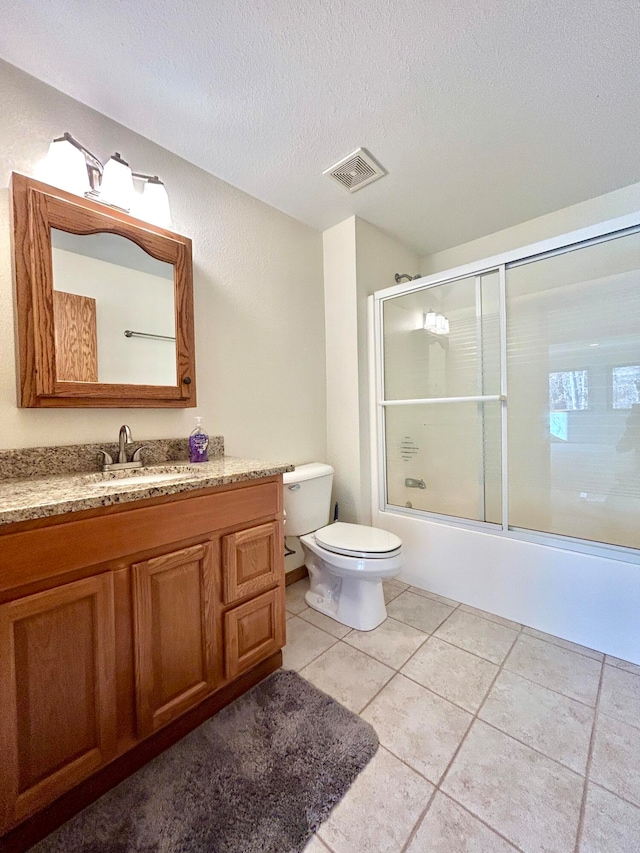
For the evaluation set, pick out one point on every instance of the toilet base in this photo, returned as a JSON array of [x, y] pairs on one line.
[[360, 603]]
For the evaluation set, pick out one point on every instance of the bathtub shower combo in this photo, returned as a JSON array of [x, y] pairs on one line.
[[507, 422]]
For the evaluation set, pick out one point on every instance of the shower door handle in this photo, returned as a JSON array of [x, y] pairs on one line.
[[412, 483]]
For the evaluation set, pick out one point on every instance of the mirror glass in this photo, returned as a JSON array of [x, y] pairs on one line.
[[114, 311]]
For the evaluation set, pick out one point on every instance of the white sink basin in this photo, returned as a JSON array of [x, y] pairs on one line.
[[139, 480]]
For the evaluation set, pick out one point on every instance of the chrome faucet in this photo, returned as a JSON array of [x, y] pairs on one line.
[[124, 438]]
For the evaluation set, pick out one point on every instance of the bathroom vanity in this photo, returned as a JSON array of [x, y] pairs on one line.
[[126, 622]]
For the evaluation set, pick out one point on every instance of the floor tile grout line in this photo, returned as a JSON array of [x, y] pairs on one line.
[[624, 668], [435, 692], [619, 720], [621, 669], [395, 671], [564, 648], [401, 761], [482, 821], [377, 693], [474, 717], [450, 643], [587, 772], [621, 797], [433, 600], [418, 823], [532, 748], [439, 599], [370, 656], [475, 611], [328, 633], [299, 671], [350, 631], [320, 840], [552, 689]]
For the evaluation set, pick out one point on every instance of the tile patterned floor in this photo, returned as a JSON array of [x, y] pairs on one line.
[[494, 737]]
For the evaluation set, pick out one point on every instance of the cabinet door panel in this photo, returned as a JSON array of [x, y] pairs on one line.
[[253, 631], [175, 637], [57, 692], [251, 561]]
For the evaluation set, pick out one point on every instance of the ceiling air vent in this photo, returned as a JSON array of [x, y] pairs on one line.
[[355, 171]]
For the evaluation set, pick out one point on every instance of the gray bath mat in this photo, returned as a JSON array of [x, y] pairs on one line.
[[259, 776]]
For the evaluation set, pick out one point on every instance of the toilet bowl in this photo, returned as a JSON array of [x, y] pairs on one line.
[[346, 562], [346, 579]]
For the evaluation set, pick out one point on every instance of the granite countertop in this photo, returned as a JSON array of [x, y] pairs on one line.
[[27, 498]]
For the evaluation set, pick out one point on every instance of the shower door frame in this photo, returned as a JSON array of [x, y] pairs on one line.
[[601, 232]]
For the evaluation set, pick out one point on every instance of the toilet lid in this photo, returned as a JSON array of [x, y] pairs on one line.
[[357, 540]]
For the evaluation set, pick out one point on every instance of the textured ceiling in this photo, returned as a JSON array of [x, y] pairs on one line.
[[485, 113]]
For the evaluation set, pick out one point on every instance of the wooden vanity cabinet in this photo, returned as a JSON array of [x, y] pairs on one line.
[[141, 614], [251, 561], [253, 631], [175, 643], [57, 692]]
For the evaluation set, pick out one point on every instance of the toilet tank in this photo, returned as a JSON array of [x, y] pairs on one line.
[[307, 498]]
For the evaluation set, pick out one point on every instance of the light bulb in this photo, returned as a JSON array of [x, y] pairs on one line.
[[430, 321], [117, 183], [65, 167], [153, 204]]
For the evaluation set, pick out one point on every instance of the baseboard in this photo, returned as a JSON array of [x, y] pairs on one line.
[[36, 828], [295, 575]]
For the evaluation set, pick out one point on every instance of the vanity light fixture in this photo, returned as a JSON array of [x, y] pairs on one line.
[[437, 324], [72, 167]]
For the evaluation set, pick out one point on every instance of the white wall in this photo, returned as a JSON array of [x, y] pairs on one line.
[[359, 259], [341, 329], [258, 297], [588, 599]]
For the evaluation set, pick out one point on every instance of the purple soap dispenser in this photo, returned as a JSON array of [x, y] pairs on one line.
[[198, 444]]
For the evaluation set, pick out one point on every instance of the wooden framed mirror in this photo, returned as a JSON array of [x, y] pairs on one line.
[[104, 305]]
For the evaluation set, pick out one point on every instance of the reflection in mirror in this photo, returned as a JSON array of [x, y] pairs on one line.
[[106, 285]]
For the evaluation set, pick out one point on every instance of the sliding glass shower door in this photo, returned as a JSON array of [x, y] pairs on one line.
[[511, 397], [442, 388], [573, 347]]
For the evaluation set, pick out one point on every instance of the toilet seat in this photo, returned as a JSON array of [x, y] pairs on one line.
[[358, 540]]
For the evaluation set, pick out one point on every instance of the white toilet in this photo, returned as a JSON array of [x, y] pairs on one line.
[[346, 562]]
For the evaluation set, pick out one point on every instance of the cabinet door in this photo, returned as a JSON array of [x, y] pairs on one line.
[[253, 631], [175, 637], [251, 561], [57, 693]]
